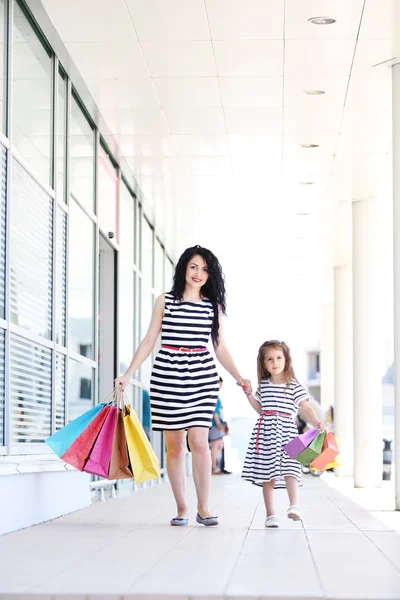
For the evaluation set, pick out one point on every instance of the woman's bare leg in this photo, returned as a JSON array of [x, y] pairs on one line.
[[176, 446], [201, 461]]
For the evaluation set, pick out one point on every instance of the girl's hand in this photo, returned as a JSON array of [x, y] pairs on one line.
[[247, 388], [122, 382]]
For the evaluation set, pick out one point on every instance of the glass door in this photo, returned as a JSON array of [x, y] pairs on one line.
[[106, 324]]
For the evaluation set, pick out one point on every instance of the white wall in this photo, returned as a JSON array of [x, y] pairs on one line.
[[31, 498]]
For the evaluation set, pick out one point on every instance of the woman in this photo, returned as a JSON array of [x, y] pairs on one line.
[[184, 382]]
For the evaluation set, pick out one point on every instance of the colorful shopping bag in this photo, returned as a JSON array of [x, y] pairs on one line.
[[328, 454], [100, 456], [300, 443], [119, 465], [60, 441], [313, 450], [143, 459], [78, 453]]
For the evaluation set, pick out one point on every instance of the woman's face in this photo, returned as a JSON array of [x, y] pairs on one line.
[[274, 361], [196, 272]]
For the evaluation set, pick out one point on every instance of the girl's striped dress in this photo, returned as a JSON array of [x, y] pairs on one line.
[[273, 432], [184, 386]]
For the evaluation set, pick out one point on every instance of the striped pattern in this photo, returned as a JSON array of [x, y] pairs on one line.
[[275, 431], [184, 387]]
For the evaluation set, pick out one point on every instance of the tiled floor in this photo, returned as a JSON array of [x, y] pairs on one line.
[[125, 548]]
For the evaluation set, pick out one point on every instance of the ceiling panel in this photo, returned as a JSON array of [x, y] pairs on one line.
[[203, 145], [155, 166], [105, 60], [251, 91], [334, 88], [259, 120], [135, 121], [249, 58], [245, 19], [98, 21], [175, 20], [195, 120], [245, 145], [123, 93], [346, 12], [321, 58], [379, 20], [188, 91], [207, 165], [180, 59], [147, 145]]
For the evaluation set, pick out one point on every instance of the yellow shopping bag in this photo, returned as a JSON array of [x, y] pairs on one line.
[[143, 460]]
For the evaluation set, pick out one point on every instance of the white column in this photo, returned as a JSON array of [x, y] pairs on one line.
[[396, 269], [367, 344], [343, 353], [327, 357]]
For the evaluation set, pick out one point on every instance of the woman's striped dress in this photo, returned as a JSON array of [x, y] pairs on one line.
[[184, 386], [275, 431]]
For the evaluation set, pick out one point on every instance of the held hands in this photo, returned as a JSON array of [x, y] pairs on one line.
[[247, 388]]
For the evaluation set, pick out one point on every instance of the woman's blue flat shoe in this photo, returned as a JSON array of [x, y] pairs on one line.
[[179, 522], [207, 521]]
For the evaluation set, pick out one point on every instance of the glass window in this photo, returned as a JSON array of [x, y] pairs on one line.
[[126, 280], [107, 196], [3, 87], [80, 389], [61, 288], [62, 137], [31, 254], [169, 274], [81, 282], [147, 298], [31, 98], [2, 382], [60, 392], [159, 269], [82, 157], [30, 391], [3, 202]]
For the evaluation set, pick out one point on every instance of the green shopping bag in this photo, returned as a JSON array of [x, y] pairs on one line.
[[313, 450]]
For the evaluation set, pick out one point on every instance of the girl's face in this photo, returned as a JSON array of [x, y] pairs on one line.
[[274, 361], [196, 272]]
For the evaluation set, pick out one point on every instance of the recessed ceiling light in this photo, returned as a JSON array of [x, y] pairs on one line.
[[309, 145], [303, 214], [306, 183], [322, 20], [314, 92]]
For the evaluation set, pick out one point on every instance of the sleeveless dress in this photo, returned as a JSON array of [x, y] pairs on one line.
[[274, 431], [184, 386]]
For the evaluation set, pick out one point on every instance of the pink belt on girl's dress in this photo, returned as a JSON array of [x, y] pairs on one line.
[[268, 412]]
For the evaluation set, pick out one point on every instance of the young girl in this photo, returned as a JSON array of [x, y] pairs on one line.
[[278, 397], [184, 381]]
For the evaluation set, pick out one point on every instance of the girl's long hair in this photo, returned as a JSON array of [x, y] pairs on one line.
[[213, 289], [263, 373]]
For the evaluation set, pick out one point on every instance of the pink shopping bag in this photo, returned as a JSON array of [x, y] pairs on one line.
[[100, 456], [300, 443], [78, 454]]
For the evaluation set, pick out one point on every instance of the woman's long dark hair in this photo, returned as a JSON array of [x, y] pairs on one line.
[[213, 289]]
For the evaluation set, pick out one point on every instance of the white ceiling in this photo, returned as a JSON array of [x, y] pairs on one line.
[[205, 99]]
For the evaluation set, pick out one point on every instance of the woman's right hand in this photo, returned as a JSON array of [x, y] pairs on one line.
[[122, 382]]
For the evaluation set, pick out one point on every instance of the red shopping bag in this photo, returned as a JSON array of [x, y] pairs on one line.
[[78, 453], [328, 454], [100, 456]]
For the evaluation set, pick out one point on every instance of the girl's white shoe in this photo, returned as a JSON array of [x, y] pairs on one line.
[[294, 513], [272, 521]]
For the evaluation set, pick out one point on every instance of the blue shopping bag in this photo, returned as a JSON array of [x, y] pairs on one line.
[[60, 441]]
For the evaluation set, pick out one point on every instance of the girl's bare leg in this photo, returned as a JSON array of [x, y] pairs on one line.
[[201, 462], [268, 492], [176, 446], [292, 490]]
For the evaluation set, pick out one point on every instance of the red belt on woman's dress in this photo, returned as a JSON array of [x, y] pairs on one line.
[[181, 349], [262, 415]]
